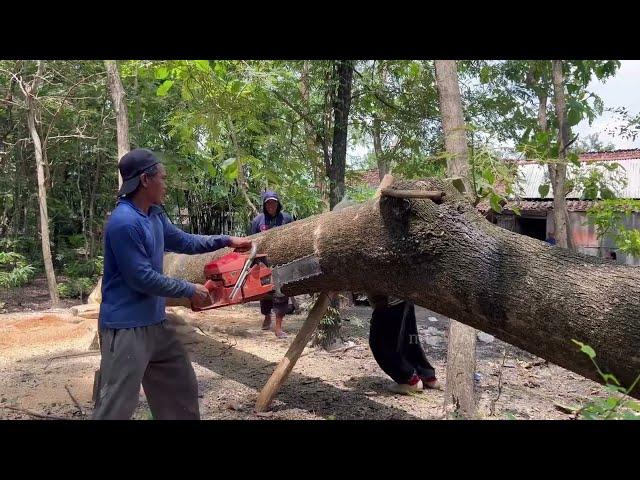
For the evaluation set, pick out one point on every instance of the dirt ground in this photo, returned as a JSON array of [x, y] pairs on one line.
[[32, 297], [45, 361]]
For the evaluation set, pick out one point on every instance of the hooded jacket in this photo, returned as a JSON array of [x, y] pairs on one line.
[[264, 221]]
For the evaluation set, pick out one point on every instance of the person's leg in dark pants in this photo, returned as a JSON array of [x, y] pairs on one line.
[[122, 366], [169, 381], [280, 307], [266, 304], [383, 340], [414, 352]]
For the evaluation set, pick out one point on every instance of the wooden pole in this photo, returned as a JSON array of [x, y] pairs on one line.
[[281, 373]]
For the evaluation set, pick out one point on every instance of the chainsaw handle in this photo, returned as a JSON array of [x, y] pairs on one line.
[[245, 271], [252, 251]]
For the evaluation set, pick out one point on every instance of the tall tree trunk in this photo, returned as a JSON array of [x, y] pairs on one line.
[[461, 353], [447, 258], [329, 328], [83, 215], [383, 168], [31, 91], [341, 107], [120, 106], [558, 171], [94, 186], [381, 160]]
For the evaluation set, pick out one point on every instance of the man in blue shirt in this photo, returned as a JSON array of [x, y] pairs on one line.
[[272, 216], [137, 346]]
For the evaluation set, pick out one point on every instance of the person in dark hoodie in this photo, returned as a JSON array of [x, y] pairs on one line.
[[272, 216], [137, 347]]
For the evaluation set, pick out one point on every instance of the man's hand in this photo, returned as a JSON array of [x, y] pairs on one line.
[[241, 244], [201, 296]]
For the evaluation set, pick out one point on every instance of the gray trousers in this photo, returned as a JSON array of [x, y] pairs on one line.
[[154, 357]]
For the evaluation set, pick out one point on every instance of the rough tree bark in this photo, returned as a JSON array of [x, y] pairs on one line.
[[341, 82], [383, 169], [448, 258], [30, 91], [461, 352], [341, 107], [120, 106], [558, 171]]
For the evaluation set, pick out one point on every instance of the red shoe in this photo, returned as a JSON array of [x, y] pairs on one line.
[[413, 385], [430, 383]]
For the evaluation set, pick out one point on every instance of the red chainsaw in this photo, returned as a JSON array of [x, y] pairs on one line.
[[245, 277]]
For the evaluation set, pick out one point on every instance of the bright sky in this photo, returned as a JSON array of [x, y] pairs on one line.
[[623, 90]]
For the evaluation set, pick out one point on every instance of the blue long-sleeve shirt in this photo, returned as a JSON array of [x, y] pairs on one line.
[[133, 285]]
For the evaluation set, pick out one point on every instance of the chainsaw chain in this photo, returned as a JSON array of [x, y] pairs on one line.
[[297, 260]]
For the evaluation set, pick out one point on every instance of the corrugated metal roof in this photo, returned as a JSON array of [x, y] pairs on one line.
[[540, 205], [532, 175]]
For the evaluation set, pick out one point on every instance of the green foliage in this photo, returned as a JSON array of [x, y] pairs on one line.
[[628, 241], [360, 193], [91, 268], [609, 216], [493, 178], [224, 126], [17, 277], [14, 271], [328, 327], [615, 406], [76, 287], [599, 181]]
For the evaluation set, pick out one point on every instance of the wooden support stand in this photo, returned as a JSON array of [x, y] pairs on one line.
[[280, 374]]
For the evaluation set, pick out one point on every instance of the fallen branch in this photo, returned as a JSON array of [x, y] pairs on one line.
[[492, 409], [34, 414], [343, 349], [566, 409], [73, 399], [434, 195], [73, 355]]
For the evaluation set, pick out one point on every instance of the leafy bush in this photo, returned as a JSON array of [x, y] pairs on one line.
[[608, 217], [14, 270], [84, 268], [76, 287], [616, 406]]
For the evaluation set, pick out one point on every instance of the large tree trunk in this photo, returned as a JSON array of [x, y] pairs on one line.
[[120, 106], [558, 171], [451, 260], [341, 107], [461, 353], [329, 330], [31, 90]]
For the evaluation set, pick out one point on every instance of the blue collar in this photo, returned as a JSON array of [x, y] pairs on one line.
[[154, 210]]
